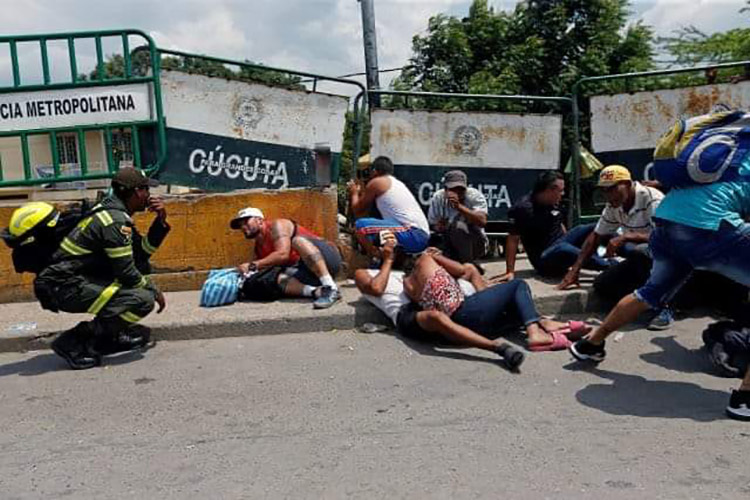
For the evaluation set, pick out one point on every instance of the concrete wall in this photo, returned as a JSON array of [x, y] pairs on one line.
[[201, 238], [636, 121], [253, 111], [467, 139], [501, 153]]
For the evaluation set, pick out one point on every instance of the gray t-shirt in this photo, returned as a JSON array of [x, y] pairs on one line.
[[439, 208]]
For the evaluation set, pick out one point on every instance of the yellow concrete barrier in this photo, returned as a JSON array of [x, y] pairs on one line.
[[200, 238]]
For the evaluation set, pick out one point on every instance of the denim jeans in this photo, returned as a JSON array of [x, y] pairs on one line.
[[498, 307], [563, 253], [678, 249]]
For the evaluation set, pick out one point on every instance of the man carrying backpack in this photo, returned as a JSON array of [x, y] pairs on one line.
[[702, 225], [101, 268]]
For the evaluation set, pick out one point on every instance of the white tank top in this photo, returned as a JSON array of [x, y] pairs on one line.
[[394, 296], [399, 204]]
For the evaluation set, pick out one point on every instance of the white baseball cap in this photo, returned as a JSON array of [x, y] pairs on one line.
[[243, 214]]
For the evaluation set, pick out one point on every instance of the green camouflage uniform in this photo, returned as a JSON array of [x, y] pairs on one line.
[[102, 268]]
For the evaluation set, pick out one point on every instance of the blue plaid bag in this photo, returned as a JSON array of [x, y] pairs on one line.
[[221, 287]]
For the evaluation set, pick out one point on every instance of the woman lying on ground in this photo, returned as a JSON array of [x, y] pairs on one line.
[[433, 286]]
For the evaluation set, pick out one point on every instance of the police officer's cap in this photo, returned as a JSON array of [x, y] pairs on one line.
[[131, 178]]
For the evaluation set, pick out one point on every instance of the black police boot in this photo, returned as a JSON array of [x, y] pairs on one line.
[[75, 346], [133, 337]]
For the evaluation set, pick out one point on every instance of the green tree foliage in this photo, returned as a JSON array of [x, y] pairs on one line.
[[347, 150], [691, 46], [348, 161], [114, 67], [541, 48]]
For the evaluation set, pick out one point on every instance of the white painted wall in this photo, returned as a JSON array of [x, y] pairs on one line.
[[467, 139], [625, 122], [252, 111]]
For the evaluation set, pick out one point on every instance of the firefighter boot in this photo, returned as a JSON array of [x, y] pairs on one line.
[[133, 337], [75, 346]]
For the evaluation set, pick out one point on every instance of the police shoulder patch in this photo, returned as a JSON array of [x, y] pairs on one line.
[[127, 231]]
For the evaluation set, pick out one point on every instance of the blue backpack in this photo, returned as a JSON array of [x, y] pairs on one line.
[[703, 149], [221, 287]]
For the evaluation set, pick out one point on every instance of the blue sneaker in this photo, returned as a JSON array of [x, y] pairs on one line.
[[328, 297], [663, 321]]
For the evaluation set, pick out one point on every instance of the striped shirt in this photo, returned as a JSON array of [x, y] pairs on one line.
[[640, 217]]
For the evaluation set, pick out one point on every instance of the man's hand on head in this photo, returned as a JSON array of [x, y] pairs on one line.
[[389, 246], [156, 205], [353, 187], [453, 200]]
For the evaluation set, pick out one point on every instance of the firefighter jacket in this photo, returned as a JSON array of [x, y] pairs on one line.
[[106, 245]]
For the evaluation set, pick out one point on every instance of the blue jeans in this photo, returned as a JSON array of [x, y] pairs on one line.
[[497, 307], [678, 249], [411, 239], [563, 253]]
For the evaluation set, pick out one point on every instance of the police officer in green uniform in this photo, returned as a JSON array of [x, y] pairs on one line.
[[102, 268]]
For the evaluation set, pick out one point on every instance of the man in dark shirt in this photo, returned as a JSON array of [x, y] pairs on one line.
[[538, 222]]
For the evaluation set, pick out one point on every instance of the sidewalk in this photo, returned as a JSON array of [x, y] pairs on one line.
[[25, 326]]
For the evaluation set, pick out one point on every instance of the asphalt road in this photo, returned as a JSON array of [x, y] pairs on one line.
[[344, 414]]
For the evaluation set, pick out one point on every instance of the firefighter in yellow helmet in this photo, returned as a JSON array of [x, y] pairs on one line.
[[102, 267], [29, 216]]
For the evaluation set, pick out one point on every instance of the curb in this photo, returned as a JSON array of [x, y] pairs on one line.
[[343, 317]]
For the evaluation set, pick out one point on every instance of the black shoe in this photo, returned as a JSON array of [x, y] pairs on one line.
[[739, 406], [583, 350], [134, 337], [75, 347], [513, 357]]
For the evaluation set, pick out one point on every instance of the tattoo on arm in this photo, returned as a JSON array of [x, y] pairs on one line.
[[312, 259]]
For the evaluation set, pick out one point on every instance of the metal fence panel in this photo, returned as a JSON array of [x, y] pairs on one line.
[[73, 109], [626, 127], [226, 134], [501, 153]]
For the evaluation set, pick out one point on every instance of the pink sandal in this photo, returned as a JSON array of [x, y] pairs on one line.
[[574, 330], [559, 343]]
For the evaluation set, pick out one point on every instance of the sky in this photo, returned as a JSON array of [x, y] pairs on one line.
[[321, 36]]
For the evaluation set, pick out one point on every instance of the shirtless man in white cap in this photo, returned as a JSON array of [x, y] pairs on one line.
[[313, 261]]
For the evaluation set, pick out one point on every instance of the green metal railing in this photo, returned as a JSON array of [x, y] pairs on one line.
[[98, 79], [576, 94]]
